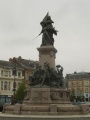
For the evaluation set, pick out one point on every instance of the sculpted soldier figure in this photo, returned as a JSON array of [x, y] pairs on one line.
[[47, 30]]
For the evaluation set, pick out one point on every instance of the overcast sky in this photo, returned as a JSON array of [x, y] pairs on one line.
[[20, 23]]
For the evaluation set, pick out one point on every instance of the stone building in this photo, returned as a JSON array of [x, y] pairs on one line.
[[27, 65], [79, 83], [7, 80]]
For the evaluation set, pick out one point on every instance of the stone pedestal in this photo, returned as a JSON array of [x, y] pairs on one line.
[[39, 95], [47, 96], [47, 101], [85, 109], [53, 109], [47, 54], [17, 108]]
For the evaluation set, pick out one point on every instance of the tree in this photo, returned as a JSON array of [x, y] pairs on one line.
[[20, 93], [78, 96], [72, 96]]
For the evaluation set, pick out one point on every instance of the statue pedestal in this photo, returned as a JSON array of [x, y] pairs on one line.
[[47, 54], [47, 101], [45, 95], [39, 96]]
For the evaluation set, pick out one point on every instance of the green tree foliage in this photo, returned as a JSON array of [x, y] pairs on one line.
[[20, 93], [78, 97], [72, 96]]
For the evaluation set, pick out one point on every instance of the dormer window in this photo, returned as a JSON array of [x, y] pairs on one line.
[[6, 73], [19, 74]]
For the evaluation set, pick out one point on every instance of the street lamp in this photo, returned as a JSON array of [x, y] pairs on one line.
[[14, 84]]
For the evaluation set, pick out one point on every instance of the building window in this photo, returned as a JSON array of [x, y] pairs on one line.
[[2, 98], [86, 90], [19, 74], [81, 89], [69, 84], [80, 83], [1, 72], [74, 76], [9, 73], [5, 85], [74, 83], [6, 73], [1, 85], [14, 72], [86, 83], [69, 77], [78, 89], [5, 99], [87, 95]]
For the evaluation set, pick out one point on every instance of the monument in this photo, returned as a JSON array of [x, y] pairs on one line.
[[45, 93], [47, 74]]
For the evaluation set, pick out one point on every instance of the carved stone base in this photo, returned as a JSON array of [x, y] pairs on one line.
[[47, 54], [47, 96], [39, 96], [47, 101]]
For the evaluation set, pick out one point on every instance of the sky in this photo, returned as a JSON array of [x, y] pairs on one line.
[[20, 23]]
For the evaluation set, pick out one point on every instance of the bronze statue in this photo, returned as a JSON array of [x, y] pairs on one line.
[[47, 30], [46, 77]]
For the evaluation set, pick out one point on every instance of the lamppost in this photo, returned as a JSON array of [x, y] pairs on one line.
[[14, 84]]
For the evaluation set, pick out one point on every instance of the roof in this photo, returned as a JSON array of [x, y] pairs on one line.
[[76, 75], [24, 62], [19, 63], [16, 65], [5, 64], [27, 63]]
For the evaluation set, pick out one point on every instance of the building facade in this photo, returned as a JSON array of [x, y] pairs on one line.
[[9, 81], [12, 74], [28, 66], [80, 84]]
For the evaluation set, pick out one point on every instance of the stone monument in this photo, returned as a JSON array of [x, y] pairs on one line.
[[45, 93], [47, 52]]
